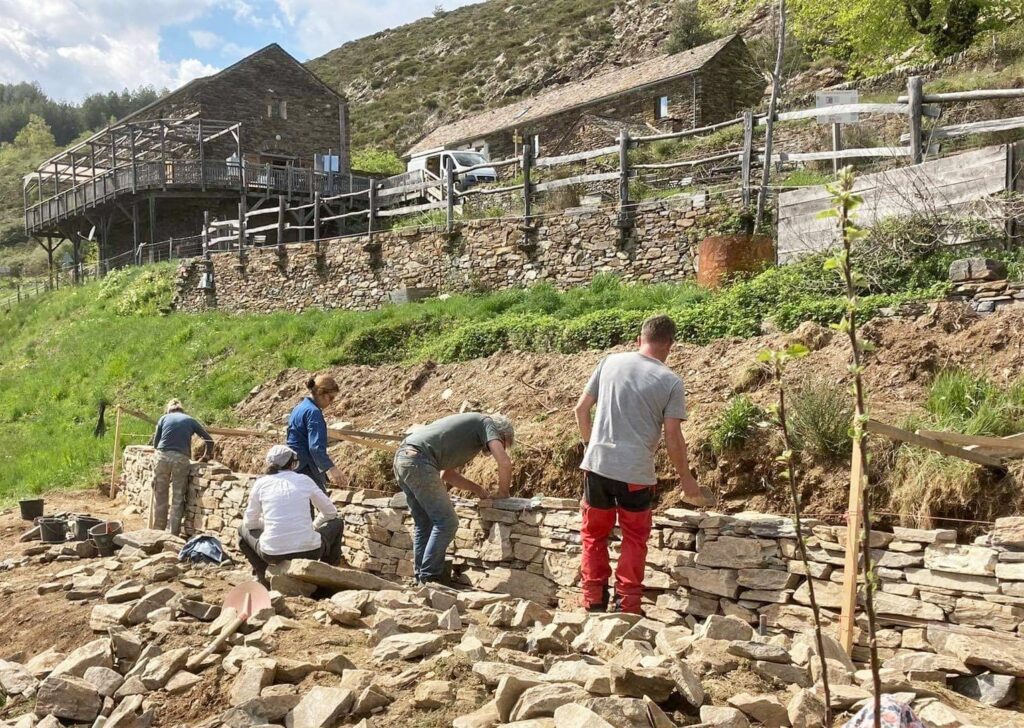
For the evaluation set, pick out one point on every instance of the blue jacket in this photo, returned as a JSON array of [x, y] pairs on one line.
[[307, 435]]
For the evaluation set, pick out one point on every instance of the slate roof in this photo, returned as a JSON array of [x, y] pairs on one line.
[[573, 95]]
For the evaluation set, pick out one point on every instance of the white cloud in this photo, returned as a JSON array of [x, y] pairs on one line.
[[205, 39], [73, 49], [76, 47]]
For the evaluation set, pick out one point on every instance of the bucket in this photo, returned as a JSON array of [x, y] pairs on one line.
[[53, 530], [80, 531], [103, 536], [31, 509]]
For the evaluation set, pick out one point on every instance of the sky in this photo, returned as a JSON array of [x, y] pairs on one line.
[[73, 48]]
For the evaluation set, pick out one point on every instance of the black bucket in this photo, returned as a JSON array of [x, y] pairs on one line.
[[103, 536], [53, 530], [31, 509], [80, 532]]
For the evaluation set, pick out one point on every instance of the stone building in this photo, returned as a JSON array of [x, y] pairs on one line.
[[700, 86], [261, 127]]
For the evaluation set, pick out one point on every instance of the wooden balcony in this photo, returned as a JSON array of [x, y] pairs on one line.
[[183, 176]]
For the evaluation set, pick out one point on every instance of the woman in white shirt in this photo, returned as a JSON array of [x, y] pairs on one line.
[[278, 523]]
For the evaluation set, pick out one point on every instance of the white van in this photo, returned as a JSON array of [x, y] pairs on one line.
[[461, 160]]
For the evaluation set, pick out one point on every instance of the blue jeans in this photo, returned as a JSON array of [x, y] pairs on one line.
[[432, 511]]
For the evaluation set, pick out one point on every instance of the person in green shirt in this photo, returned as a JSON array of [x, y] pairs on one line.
[[433, 456]]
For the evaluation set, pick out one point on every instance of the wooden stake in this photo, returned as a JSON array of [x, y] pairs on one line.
[[848, 601], [115, 468]]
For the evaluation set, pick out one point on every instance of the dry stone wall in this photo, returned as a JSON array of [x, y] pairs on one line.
[[699, 564], [359, 273]]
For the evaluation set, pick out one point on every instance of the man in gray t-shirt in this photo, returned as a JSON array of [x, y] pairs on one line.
[[432, 456], [637, 397]]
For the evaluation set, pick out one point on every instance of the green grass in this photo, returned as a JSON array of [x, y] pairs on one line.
[[735, 424], [819, 414], [926, 484], [109, 340]]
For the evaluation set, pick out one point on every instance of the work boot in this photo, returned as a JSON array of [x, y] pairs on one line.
[[602, 606]]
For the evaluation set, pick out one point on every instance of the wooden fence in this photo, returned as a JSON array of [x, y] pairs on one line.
[[367, 209]]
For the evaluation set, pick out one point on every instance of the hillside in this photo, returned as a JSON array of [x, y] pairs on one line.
[[64, 354], [404, 81]]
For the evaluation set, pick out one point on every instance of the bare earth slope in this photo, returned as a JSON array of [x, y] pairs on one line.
[[538, 392]]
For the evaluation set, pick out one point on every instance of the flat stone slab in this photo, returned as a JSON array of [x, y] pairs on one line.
[[330, 577]]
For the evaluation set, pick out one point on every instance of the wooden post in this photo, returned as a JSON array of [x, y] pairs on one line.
[[527, 189], [238, 152], [848, 602], [316, 220], [135, 225], [748, 144], [115, 468], [202, 157], [135, 168], [915, 93], [206, 235], [773, 104], [837, 146], [241, 229], [449, 193], [623, 222], [152, 217], [280, 222], [371, 217]]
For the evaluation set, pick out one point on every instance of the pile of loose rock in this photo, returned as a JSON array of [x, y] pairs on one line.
[[483, 659], [982, 283]]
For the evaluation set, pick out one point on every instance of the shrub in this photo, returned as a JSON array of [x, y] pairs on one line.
[[386, 342], [735, 424], [601, 330], [820, 415], [377, 161], [688, 28]]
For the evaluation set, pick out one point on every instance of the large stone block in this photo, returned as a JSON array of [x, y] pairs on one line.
[[961, 559], [953, 582], [730, 552], [330, 577], [1009, 532], [68, 697], [721, 582]]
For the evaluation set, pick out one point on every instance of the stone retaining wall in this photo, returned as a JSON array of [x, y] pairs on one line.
[[357, 273], [698, 564]]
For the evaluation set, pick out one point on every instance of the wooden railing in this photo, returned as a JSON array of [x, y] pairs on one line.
[[189, 174]]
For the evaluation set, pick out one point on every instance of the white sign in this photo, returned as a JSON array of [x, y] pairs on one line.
[[824, 99]]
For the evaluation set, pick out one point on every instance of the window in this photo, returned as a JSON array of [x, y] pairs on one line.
[[270, 110], [661, 108], [282, 107]]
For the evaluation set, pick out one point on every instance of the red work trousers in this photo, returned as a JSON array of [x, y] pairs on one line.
[[604, 502]]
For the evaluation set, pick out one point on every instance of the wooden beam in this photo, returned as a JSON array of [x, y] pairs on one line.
[[115, 466], [577, 157], [848, 599], [977, 95], [899, 435], [1013, 445]]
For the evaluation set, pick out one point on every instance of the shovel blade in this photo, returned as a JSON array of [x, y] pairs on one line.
[[247, 599]]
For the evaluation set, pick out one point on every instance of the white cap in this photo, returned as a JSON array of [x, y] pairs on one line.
[[280, 455]]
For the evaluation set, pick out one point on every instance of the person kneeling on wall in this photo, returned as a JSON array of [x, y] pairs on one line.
[[278, 523]]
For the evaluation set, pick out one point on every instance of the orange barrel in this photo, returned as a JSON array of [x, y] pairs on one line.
[[721, 257]]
